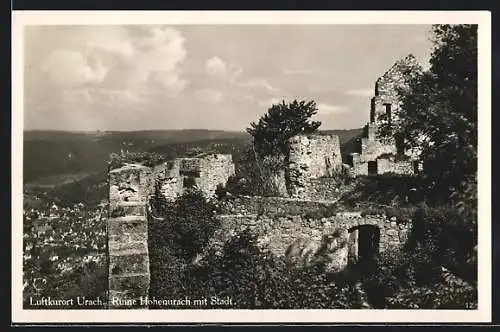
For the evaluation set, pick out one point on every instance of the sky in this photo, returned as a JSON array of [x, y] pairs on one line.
[[153, 77]]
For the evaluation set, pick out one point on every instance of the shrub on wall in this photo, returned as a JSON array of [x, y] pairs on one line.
[[149, 159], [256, 279], [188, 224]]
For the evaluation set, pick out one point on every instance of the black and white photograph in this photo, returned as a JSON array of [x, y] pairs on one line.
[[208, 167]]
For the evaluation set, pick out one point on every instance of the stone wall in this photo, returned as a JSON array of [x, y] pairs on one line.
[[371, 149], [387, 88], [396, 167], [311, 157], [168, 176], [215, 169], [278, 222], [205, 172], [278, 233], [322, 189], [272, 206], [129, 277]]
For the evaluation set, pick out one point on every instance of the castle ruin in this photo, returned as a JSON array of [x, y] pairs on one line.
[[204, 172], [311, 157], [309, 161], [379, 156], [307, 181], [130, 188]]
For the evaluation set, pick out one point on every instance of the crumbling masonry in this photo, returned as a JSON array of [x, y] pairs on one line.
[[310, 162], [307, 181], [129, 190], [383, 156], [204, 172]]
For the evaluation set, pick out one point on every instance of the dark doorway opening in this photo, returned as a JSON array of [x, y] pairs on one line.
[[372, 168], [368, 242], [363, 244]]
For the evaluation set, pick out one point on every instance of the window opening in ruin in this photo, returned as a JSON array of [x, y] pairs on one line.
[[189, 182], [193, 174], [372, 168], [350, 160], [416, 167], [372, 110], [388, 113], [363, 244]]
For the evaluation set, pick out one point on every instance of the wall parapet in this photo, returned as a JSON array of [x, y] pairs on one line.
[[272, 205]]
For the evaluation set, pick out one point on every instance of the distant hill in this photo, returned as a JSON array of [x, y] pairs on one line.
[[57, 152], [345, 135], [72, 165], [48, 153], [166, 136]]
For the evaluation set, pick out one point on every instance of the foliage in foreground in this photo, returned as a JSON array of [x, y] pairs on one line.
[[255, 279], [435, 270], [186, 224], [413, 280]]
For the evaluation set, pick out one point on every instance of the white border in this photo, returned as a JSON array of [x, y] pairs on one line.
[[482, 18]]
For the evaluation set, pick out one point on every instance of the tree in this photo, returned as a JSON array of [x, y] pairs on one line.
[[438, 110], [280, 123], [270, 136]]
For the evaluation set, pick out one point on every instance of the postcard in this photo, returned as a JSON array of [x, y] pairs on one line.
[[251, 167]]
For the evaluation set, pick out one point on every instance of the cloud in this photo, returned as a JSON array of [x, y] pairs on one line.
[[68, 67], [120, 47], [159, 55], [324, 109], [215, 66], [234, 71], [297, 71], [116, 64], [210, 96], [109, 97], [77, 96], [368, 92], [259, 83], [271, 101]]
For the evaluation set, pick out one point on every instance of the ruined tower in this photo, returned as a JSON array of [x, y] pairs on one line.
[[379, 156]]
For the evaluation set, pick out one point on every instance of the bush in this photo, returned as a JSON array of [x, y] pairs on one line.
[[418, 275], [450, 238], [144, 158], [158, 202], [256, 279], [188, 224], [248, 179]]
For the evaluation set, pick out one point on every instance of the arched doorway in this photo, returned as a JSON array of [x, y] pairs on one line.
[[372, 167], [363, 243]]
